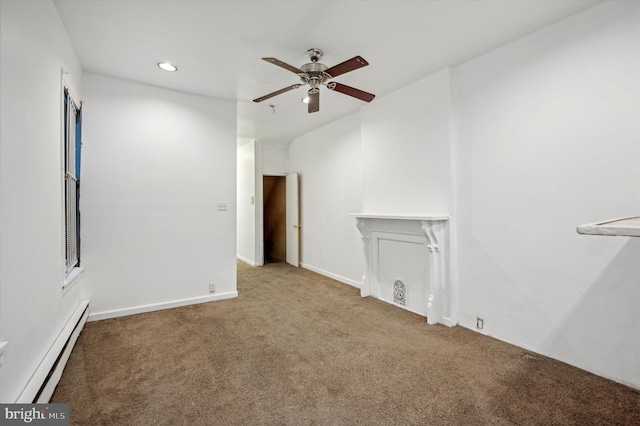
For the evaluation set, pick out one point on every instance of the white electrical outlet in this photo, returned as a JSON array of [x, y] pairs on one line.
[[212, 287], [222, 206], [479, 323]]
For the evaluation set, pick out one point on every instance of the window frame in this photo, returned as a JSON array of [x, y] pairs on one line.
[[71, 150]]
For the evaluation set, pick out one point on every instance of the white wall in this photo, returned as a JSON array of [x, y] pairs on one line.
[[549, 139], [156, 163], [246, 232], [33, 309], [405, 149], [275, 160], [255, 160], [391, 158], [330, 167]]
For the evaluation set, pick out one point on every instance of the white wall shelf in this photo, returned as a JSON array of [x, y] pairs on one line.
[[399, 217], [626, 227]]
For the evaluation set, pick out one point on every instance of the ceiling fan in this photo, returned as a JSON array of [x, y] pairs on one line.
[[315, 74]]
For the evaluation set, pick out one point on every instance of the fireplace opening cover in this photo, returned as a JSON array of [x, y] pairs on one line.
[[399, 293]]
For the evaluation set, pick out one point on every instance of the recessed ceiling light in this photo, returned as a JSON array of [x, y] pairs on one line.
[[167, 66]]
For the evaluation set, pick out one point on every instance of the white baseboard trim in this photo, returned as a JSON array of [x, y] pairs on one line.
[[44, 380], [331, 275], [449, 322], [247, 261], [96, 316]]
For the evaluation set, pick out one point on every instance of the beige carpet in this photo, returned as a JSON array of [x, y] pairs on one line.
[[296, 348]]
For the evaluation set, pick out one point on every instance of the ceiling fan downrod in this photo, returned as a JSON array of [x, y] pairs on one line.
[[314, 54]]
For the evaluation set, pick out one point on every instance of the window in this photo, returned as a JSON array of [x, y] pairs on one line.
[[72, 145]]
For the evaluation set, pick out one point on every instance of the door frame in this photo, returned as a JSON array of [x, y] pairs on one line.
[[260, 217]]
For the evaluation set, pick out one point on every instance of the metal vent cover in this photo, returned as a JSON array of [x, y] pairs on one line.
[[399, 293]]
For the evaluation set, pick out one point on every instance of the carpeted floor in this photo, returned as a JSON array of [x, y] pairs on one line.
[[296, 348]]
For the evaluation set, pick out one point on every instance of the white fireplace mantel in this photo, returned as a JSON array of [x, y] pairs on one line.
[[412, 248]]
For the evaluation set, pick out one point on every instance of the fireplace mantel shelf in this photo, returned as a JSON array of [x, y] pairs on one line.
[[398, 217]]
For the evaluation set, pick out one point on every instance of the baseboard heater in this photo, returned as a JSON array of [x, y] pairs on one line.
[[47, 375]]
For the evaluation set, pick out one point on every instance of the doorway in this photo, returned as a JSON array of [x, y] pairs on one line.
[[274, 193], [279, 227]]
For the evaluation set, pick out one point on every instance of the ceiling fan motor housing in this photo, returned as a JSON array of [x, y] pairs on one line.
[[314, 74], [312, 67]]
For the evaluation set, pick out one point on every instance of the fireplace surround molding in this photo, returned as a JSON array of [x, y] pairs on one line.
[[431, 233]]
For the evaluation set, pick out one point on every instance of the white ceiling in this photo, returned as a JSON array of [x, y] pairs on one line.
[[218, 45]]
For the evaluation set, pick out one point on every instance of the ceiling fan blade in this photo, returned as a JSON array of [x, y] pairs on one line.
[[351, 91], [346, 66], [277, 92], [314, 100], [284, 65]]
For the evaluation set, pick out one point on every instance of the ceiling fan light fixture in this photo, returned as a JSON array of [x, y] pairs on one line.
[[167, 66], [305, 100]]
